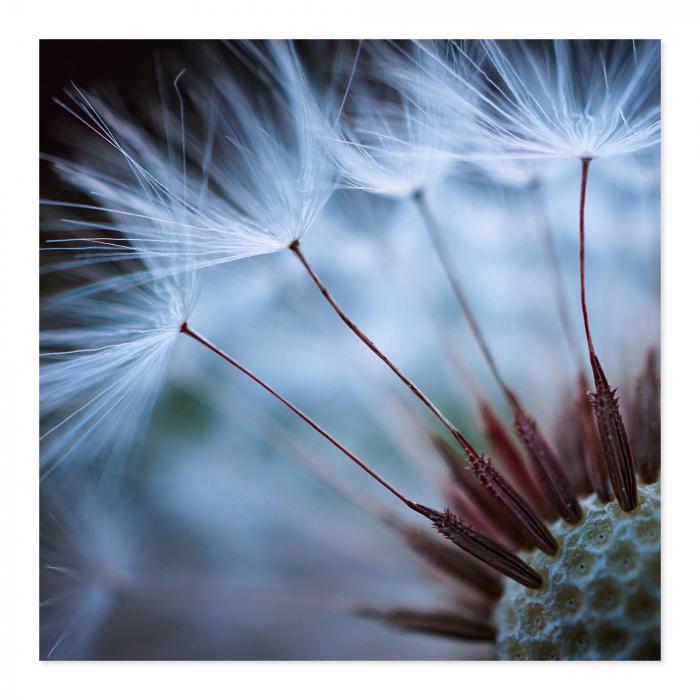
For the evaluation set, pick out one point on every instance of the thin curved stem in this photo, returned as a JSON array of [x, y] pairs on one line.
[[516, 507], [611, 428], [450, 526], [541, 454], [457, 434], [453, 280], [545, 232], [585, 162], [208, 344]]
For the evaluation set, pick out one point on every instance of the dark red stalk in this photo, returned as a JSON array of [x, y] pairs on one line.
[[579, 446], [594, 461], [474, 502], [569, 444], [531, 528], [454, 529], [646, 422], [585, 164], [611, 429], [448, 560], [469, 509], [481, 547], [542, 457], [547, 464], [440, 623], [613, 437], [584, 446], [508, 454], [519, 511]]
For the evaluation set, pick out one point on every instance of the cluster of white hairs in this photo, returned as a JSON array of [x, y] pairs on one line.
[[89, 559], [557, 99], [251, 167]]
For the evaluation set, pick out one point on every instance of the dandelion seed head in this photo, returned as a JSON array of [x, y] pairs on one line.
[[219, 170]]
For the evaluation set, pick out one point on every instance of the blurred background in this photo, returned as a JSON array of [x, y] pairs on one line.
[[236, 532]]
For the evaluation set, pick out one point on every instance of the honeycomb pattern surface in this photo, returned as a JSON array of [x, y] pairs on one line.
[[601, 596]]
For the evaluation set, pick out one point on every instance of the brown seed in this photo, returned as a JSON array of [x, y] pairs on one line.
[[508, 455], [441, 623], [613, 437], [518, 509], [593, 453], [453, 562], [480, 546], [546, 464], [483, 509], [646, 422]]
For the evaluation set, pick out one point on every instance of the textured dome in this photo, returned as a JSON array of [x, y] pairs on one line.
[[601, 596]]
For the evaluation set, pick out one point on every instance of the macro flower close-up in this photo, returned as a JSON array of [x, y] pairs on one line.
[[430, 430]]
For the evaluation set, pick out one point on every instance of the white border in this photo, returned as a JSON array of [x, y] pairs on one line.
[[29, 678]]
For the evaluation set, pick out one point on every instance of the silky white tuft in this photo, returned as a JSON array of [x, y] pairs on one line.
[[525, 99], [390, 138], [246, 174], [102, 364]]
